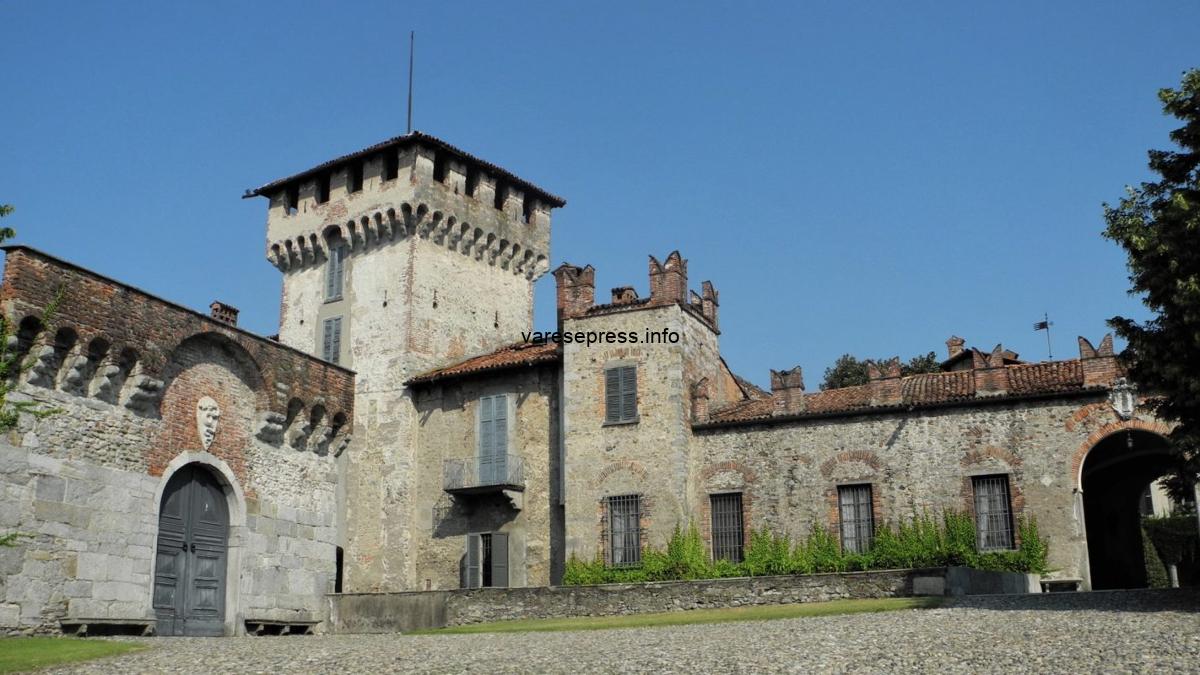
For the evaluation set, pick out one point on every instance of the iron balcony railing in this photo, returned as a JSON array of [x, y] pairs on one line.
[[487, 473]]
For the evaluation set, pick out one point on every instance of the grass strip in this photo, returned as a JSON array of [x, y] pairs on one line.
[[28, 653]]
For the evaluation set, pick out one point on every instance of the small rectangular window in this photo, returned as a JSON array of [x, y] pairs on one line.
[[331, 345], [322, 188], [486, 561], [354, 177], [620, 395], [625, 530], [291, 199], [335, 272], [857, 522], [993, 513], [727, 532], [391, 165]]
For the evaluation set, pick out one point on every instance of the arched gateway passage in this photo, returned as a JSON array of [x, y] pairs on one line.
[[1115, 474], [192, 553]]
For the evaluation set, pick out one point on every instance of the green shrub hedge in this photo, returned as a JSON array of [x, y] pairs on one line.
[[924, 541]]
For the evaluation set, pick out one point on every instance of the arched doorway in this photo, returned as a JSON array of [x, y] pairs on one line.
[[192, 554], [1114, 476]]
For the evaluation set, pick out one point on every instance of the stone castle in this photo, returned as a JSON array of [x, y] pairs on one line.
[[399, 433]]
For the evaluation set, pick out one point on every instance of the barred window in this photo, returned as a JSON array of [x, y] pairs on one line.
[[857, 520], [727, 538], [620, 394], [993, 513], [625, 530]]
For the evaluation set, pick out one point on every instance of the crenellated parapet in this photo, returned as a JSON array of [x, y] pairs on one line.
[[576, 288], [380, 228], [413, 186]]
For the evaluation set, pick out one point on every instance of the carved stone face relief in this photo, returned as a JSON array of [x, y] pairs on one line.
[[1123, 398], [208, 416]]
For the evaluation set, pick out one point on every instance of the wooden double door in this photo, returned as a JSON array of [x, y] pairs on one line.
[[192, 555]]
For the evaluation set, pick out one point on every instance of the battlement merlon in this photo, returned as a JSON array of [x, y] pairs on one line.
[[411, 185]]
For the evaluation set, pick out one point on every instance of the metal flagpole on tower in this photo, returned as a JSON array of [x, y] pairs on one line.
[[1045, 324], [412, 39]]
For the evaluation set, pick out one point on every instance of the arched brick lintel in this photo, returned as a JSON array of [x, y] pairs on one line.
[[1149, 426]]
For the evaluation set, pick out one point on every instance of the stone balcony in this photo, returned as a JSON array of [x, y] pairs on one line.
[[483, 475]]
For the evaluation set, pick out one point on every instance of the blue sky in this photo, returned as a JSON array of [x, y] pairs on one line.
[[854, 177]]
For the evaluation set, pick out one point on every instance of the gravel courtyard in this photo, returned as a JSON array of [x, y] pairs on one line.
[[1088, 632]]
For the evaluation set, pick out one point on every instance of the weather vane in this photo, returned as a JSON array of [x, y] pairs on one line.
[[1045, 324]]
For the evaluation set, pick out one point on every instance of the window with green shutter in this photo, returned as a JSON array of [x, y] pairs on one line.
[[331, 343], [486, 561], [493, 439], [335, 272], [620, 395]]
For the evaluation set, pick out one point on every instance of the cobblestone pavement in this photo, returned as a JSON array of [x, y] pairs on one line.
[[1079, 632]]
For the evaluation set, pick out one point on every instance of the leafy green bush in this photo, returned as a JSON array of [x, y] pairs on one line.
[[923, 541]]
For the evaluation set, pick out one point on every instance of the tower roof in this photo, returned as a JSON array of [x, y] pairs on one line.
[[414, 138]]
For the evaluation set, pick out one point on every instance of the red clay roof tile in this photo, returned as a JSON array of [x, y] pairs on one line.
[[519, 355]]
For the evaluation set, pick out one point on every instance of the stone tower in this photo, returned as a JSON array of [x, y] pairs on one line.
[[396, 259]]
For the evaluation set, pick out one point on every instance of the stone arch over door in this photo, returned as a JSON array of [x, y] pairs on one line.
[[216, 560], [1114, 468]]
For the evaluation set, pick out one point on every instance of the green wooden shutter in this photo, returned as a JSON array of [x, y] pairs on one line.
[[474, 552], [327, 341], [499, 560], [628, 393], [500, 417], [612, 395], [336, 342]]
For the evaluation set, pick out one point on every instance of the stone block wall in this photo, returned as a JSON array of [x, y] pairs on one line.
[[84, 481], [448, 431], [401, 612]]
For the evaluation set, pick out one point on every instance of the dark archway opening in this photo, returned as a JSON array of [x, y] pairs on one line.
[[1116, 472]]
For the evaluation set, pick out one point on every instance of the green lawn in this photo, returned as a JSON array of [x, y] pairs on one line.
[[27, 653], [755, 613]]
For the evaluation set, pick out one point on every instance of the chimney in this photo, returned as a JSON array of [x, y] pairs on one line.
[[955, 345], [709, 302], [668, 280], [1100, 367], [787, 386], [991, 377], [224, 313], [885, 383], [576, 288], [700, 401], [624, 295]]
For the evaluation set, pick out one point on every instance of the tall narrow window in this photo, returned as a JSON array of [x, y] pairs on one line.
[[727, 537], [486, 561], [625, 530], [354, 177], [291, 199], [322, 188], [339, 559], [391, 165], [493, 440], [993, 512], [620, 395], [335, 271], [331, 344], [857, 521]]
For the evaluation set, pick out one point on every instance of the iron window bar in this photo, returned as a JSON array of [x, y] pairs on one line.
[[727, 532], [993, 513], [625, 531]]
